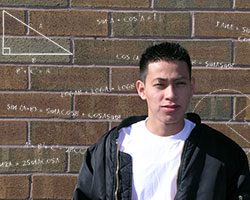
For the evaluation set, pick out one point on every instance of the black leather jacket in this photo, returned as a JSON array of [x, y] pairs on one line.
[[213, 167]]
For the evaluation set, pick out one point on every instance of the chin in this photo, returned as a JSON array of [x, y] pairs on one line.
[[170, 120]]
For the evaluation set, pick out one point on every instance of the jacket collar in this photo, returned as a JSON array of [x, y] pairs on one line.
[[195, 118]]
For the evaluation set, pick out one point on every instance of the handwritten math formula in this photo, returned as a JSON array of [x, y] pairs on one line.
[[103, 89], [220, 65], [129, 19], [232, 27], [61, 112], [54, 147], [28, 162]]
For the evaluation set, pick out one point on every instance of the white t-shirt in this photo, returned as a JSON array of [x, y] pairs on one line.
[[155, 160]]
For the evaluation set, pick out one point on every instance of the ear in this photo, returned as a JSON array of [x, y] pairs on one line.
[[140, 86], [193, 85]]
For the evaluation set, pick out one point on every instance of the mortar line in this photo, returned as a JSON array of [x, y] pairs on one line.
[[28, 132], [192, 25], [151, 4], [28, 78], [233, 4], [110, 25], [27, 20], [126, 10], [30, 186], [234, 107], [67, 154]]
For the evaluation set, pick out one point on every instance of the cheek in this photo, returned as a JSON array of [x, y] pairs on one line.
[[156, 96], [185, 95]]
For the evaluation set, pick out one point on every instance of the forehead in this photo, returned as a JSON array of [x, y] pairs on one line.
[[164, 69]]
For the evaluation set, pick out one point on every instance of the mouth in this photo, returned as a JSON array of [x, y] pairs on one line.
[[170, 108]]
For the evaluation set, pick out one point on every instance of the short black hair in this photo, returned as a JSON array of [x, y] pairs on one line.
[[167, 51]]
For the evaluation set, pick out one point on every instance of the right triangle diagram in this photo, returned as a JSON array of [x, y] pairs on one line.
[[32, 46]]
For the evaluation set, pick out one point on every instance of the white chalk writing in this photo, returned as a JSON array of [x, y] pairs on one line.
[[62, 112], [220, 65], [28, 162], [231, 27], [54, 147], [104, 89], [127, 57], [129, 19], [33, 70], [103, 116]]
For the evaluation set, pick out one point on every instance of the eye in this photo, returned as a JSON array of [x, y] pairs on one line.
[[181, 83], [159, 85]]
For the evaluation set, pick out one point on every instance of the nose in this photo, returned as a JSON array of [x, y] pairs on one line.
[[170, 93]]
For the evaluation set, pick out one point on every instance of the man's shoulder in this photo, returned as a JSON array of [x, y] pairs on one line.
[[213, 141], [215, 137], [217, 145]]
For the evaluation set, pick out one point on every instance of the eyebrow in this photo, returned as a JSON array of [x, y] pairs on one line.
[[174, 79]]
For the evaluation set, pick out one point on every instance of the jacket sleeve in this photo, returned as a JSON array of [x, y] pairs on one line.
[[242, 191], [83, 188]]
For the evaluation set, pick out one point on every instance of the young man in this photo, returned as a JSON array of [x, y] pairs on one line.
[[166, 155]]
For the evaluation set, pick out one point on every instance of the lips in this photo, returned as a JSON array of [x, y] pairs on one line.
[[170, 108]]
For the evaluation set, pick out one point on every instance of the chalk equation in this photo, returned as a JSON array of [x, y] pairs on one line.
[[61, 112], [127, 57], [32, 71], [232, 27], [54, 147], [103, 89], [28, 162], [220, 65], [129, 19]]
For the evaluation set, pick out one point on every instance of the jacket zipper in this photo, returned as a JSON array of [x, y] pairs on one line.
[[117, 170]]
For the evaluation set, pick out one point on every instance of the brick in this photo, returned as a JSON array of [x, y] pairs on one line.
[[114, 124], [151, 24], [109, 51], [13, 77], [34, 3], [76, 161], [192, 4], [14, 187], [53, 187], [224, 24], [212, 107], [221, 80], [242, 108], [68, 78], [242, 52], [237, 132], [13, 132], [118, 106], [111, 3], [121, 84], [34, 105], [36, 159], [212, 51], [242, 4], [69, 23], [35, 46], [11, 25], [67, 133]]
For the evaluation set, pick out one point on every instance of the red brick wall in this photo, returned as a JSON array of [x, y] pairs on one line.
[[54, 106]]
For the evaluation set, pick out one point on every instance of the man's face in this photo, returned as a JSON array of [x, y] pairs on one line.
[[167, 90]]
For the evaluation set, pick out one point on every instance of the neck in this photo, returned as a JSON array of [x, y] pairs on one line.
[[164, 129]]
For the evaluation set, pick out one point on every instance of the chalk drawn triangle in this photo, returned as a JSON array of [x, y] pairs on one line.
[[7, 50], [229, 121]]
